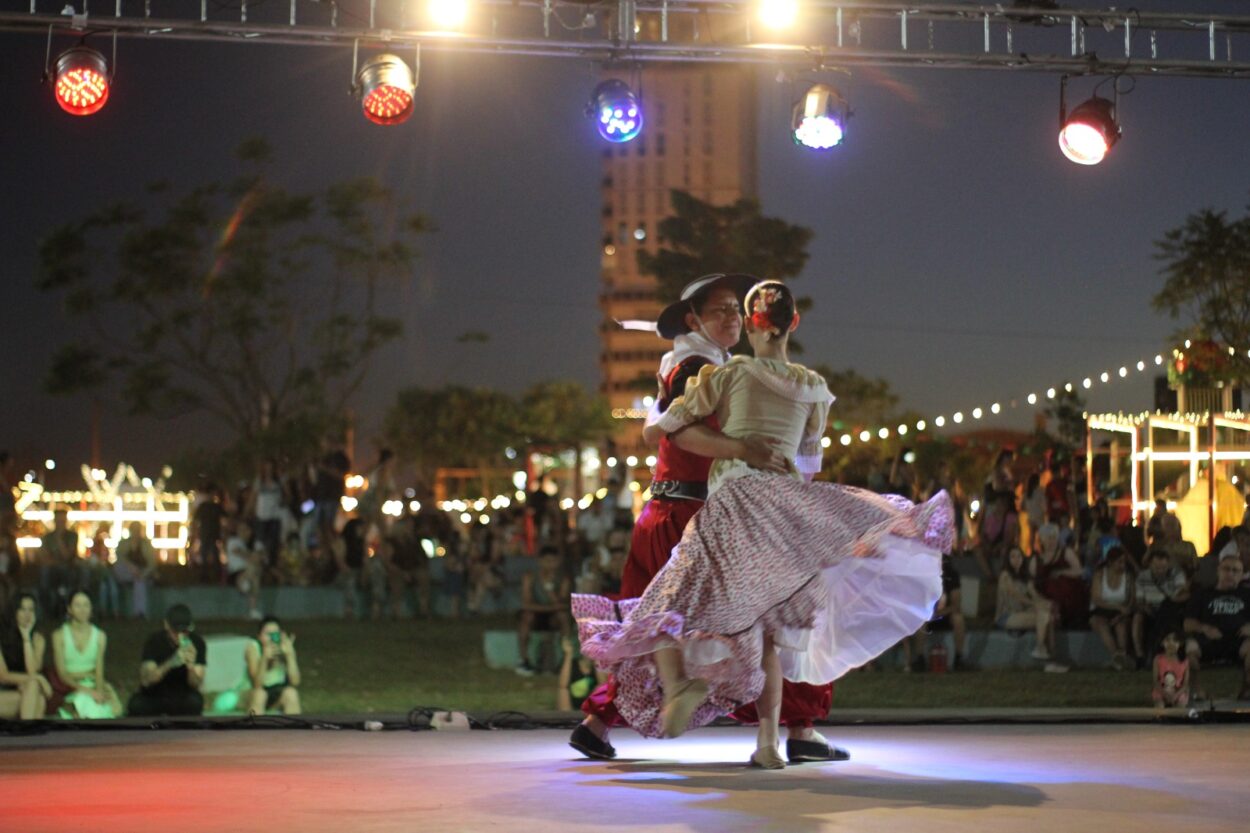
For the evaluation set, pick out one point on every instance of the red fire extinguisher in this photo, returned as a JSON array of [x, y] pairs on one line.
[[937, 657]]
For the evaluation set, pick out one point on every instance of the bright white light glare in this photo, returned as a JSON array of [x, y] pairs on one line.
[[648, 401], [651, 460], [958, 417], [1141, 366], [631, 461], [845, 439], [611, 461], [414, 506], [1050, 393], [1032, 398], [518, 479], [883, 433], [347, 502], [825, 442], [920, 425], [975, 506], [940, 421], [1159, 359], [865, 436], [49, 464], [976, 413], [902, 430], [779, 14], [1068, 387], [819, 132], [466, 518], [1105, 376], [1123, 372], [1087, 382], [995, 408], [448, 14], [1083, 144]]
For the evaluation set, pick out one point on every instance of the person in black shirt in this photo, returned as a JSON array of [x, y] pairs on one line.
[[172, 669], [1217, 623]]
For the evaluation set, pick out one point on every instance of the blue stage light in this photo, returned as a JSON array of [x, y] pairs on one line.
[[616, 111], [820, 118]]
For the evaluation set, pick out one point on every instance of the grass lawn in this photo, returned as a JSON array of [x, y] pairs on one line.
[[390, 667]]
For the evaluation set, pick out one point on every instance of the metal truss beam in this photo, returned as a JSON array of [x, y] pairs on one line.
[[831, 35]]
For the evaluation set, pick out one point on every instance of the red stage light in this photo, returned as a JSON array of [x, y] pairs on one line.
[[387, 105], [82, 81], [386, 86]]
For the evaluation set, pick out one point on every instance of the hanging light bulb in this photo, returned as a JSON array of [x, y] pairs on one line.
[[1089, 132], [616, 110]]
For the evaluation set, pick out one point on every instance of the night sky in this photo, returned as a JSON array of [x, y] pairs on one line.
[[956, 252]]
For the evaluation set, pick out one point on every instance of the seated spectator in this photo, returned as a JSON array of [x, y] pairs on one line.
[[24, 691], [245, 564], [947, 616], [273, 669], [544, 605], [1154, 527], [1217, 624], [1111, 606], [1160, 595], [1170, 673], [1100, 542], [1021, 607], [1183, 554], [172, 669], [1057, 576], [136, 561], [78, 650], [578, 677]]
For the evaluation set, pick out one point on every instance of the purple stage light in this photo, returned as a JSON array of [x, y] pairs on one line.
[[617, 111], [820, 118]]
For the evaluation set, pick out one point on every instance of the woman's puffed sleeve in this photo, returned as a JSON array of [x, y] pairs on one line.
[[810, 454], [702, 395]]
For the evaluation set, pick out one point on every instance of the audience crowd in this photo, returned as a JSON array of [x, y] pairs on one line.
[[1051, 561]]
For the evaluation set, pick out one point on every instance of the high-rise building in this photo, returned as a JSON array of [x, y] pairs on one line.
[[698, 136]]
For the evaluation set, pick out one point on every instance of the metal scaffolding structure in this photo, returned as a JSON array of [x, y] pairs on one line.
[[830, 34]]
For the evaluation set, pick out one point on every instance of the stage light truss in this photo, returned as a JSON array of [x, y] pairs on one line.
[[1096, 41]]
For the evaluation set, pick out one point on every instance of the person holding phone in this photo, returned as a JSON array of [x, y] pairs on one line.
[[172, 669], [273, 669]]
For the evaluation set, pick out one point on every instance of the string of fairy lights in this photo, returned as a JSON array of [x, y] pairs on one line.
[[978, 412]]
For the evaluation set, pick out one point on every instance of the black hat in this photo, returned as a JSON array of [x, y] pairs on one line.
[[672, 321]]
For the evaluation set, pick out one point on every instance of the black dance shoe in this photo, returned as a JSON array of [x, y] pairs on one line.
[[811, 751], [590, 744]]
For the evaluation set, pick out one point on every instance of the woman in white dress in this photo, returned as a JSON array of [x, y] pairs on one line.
[[776, 576]]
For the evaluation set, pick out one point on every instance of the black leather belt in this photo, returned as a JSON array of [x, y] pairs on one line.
[[678, 490]]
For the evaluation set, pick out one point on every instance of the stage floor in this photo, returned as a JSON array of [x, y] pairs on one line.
[[1070, 778]]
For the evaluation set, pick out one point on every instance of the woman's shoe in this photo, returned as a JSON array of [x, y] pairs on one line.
[[686, 697], [767, 757]]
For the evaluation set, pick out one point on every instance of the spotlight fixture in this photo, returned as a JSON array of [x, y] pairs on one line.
[[82, 80], [616, 110], [1089, 132], [778, 14], [820, 117], [386, 86]]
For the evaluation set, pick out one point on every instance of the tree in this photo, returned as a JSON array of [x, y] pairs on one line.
[[701, 238], [562, 414], [453, 427], [242, 300], [1067, 410], [1207, 277]]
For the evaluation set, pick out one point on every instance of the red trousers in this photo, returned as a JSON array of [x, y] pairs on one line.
[[658, 530]]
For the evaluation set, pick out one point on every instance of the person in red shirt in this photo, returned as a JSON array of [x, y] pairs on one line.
[[703, 324]]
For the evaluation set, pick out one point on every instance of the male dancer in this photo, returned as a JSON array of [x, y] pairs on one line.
[[704, 323]]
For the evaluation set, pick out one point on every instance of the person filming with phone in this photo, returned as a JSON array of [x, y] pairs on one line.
[[172, 669], [273, 669]]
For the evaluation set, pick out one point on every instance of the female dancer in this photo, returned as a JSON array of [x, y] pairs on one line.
[[776, 576]]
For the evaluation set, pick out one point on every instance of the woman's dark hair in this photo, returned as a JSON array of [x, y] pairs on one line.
[[1021, 574], [263, 622], [10, 637], [770, 304], [1180, 637]]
